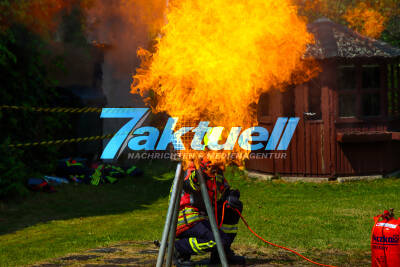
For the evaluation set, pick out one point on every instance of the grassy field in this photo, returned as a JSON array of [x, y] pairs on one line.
[[329, 222]]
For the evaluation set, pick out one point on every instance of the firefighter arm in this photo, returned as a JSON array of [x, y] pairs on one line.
[[233, 200], [191, 184]]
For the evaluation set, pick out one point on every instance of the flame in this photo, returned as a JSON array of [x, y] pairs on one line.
[[366, 20], [214, 58]]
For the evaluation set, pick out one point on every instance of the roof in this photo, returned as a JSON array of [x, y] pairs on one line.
[[334, 40]]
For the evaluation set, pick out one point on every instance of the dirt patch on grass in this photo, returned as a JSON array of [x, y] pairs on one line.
[[267, 256], [145, 254]]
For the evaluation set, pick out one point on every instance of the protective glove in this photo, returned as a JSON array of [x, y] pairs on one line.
[[228, 192], [234, 202], [234, 192]]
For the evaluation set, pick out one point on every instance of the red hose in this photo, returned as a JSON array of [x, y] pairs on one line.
[[223, 214], [215, 202], [272, 244]]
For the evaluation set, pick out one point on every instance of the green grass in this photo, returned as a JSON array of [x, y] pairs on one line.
[[321, 220]]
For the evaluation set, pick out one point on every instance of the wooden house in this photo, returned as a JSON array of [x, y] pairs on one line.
[[349, 114]]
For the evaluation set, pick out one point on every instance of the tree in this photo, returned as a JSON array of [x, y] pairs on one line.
[[373, 18], [25, 81]]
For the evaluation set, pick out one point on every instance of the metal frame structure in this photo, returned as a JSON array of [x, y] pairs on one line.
[[168, 235]]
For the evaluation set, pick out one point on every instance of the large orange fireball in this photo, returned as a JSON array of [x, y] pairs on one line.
[[214, 58]]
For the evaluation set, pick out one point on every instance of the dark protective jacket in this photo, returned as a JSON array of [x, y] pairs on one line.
[[192, 208]]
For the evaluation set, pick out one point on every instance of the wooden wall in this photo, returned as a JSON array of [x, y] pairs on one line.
[[315, 150]]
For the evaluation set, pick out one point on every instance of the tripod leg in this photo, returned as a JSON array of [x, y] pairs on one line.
[[213, 222], [168, 219], [172, 231]]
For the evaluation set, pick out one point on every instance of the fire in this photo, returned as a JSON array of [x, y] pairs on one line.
[[214, 58], [366, 20]]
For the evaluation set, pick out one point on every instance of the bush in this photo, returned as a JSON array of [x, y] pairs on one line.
[[24, 82]]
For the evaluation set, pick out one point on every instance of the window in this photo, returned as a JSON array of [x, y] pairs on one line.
[[371, 77], [347, 107], [276, 103], [371, 104], [370, 90], [347, 84], [359, 89], [347, 78]]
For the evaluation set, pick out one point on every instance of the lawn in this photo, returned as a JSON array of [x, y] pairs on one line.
[[329, 222]]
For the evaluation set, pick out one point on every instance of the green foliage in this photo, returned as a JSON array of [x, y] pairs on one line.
[[12, 167], [328, 222], [73, 27], [392, 32], [336, 10], [24, 82], [26, 28]]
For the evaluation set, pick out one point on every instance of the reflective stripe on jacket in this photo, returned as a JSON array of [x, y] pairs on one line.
[[188, 216], [192, 208]]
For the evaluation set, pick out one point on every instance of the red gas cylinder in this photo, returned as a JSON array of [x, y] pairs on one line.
[[385, 241]]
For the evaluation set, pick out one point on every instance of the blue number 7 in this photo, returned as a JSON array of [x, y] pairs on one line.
[[115, 143]]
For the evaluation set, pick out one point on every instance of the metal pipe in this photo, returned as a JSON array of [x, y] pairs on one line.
[[211, 217], [168, 219], [172, 231]]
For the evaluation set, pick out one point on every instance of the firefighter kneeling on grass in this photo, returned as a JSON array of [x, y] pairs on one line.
[[194, 229]]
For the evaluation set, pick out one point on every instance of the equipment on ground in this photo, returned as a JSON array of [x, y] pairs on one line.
[[385, 241]]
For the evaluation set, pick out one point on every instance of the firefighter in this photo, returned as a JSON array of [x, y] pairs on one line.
[[194, 229]]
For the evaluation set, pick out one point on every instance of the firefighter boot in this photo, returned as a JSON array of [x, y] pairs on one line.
[[182, 260], [230, 256]]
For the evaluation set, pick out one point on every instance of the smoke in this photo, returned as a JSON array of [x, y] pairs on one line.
[[124, 25]]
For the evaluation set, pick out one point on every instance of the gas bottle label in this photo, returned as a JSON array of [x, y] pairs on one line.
[[385, 239], [389, 225], [374, 246]]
